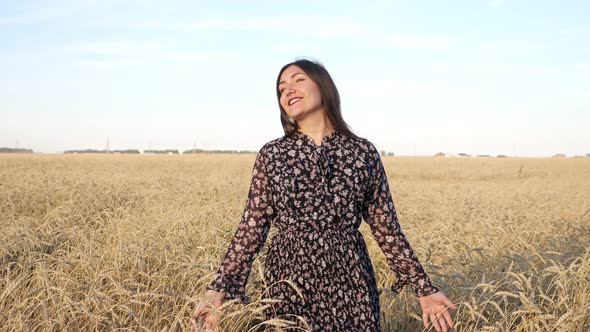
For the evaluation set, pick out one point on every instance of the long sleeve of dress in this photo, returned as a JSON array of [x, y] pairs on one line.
[[252, 231], [379, 212]]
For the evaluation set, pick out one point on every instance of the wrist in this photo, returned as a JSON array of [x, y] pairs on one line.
[[214, 297]]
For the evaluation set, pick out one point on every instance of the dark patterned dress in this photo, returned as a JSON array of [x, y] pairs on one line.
[[316, 196]]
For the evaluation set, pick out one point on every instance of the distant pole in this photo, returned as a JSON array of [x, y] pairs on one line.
[[514, 149], [108, 145], [17, 143], [150, 145], [195, 146]]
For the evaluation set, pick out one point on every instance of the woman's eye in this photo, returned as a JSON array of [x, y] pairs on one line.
[[299, 79]]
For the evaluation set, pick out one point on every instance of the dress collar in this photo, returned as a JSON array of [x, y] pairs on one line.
[[306, 138]]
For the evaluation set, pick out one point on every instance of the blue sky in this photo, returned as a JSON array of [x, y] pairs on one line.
[[415, 77]]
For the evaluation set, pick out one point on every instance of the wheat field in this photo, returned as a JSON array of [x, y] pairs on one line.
[[129, 242]]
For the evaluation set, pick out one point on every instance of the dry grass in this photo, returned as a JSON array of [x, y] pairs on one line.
[[129, 242]]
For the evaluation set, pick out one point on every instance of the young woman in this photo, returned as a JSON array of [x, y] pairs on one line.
[[314, 185]]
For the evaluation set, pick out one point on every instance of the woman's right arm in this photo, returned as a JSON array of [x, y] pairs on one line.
[[231, 276]]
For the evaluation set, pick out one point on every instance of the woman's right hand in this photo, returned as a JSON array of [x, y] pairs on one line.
[[204, 308]]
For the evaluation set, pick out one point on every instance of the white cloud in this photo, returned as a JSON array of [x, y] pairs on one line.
[[409, 41], [385, 88], [511, 48], [497, 3], [582, 66], [117, 48], [125, 53], [569, 30], [574, 30], [47, 10], [295, 45], [290, 24], [189, 56]]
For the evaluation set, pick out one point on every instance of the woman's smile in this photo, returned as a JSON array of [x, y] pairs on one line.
[[294, 100]]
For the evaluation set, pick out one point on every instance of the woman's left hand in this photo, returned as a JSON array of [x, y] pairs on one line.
[[435, 308]]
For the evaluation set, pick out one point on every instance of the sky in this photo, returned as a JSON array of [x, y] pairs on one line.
[[415, 77]]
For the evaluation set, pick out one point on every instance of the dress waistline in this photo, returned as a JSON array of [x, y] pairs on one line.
[[318, 229]]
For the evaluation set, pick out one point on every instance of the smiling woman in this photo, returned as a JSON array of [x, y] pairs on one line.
[[310, 82], [315, 185], [299, 95]]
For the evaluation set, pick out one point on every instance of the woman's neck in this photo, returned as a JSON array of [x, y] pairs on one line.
[[316, 127]]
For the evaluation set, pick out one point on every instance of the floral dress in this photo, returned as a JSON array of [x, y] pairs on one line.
[[315, 195]]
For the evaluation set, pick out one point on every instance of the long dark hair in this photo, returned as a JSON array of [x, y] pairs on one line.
[[330, 96]]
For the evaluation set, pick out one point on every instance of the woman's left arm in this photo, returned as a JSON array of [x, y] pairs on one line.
[[379, 212]]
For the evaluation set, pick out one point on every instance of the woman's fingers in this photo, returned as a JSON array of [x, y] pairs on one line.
[[425, 320], [199, 310], [193, 327], [210, 322], [203, 310], [434, 322], [435, 308], [448, 303], [441, 322]]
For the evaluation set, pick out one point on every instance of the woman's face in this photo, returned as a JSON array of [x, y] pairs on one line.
[[299, 95]]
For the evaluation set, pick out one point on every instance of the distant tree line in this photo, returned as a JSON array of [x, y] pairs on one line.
[[160, 151], [130, 151], [195, 151], [387, 153], [168, 151], [11, 150], [218, 151]]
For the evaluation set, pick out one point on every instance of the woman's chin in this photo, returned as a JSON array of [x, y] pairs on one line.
[[297, 116]]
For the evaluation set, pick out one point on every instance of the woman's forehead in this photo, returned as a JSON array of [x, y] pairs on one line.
[[289, 72]]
